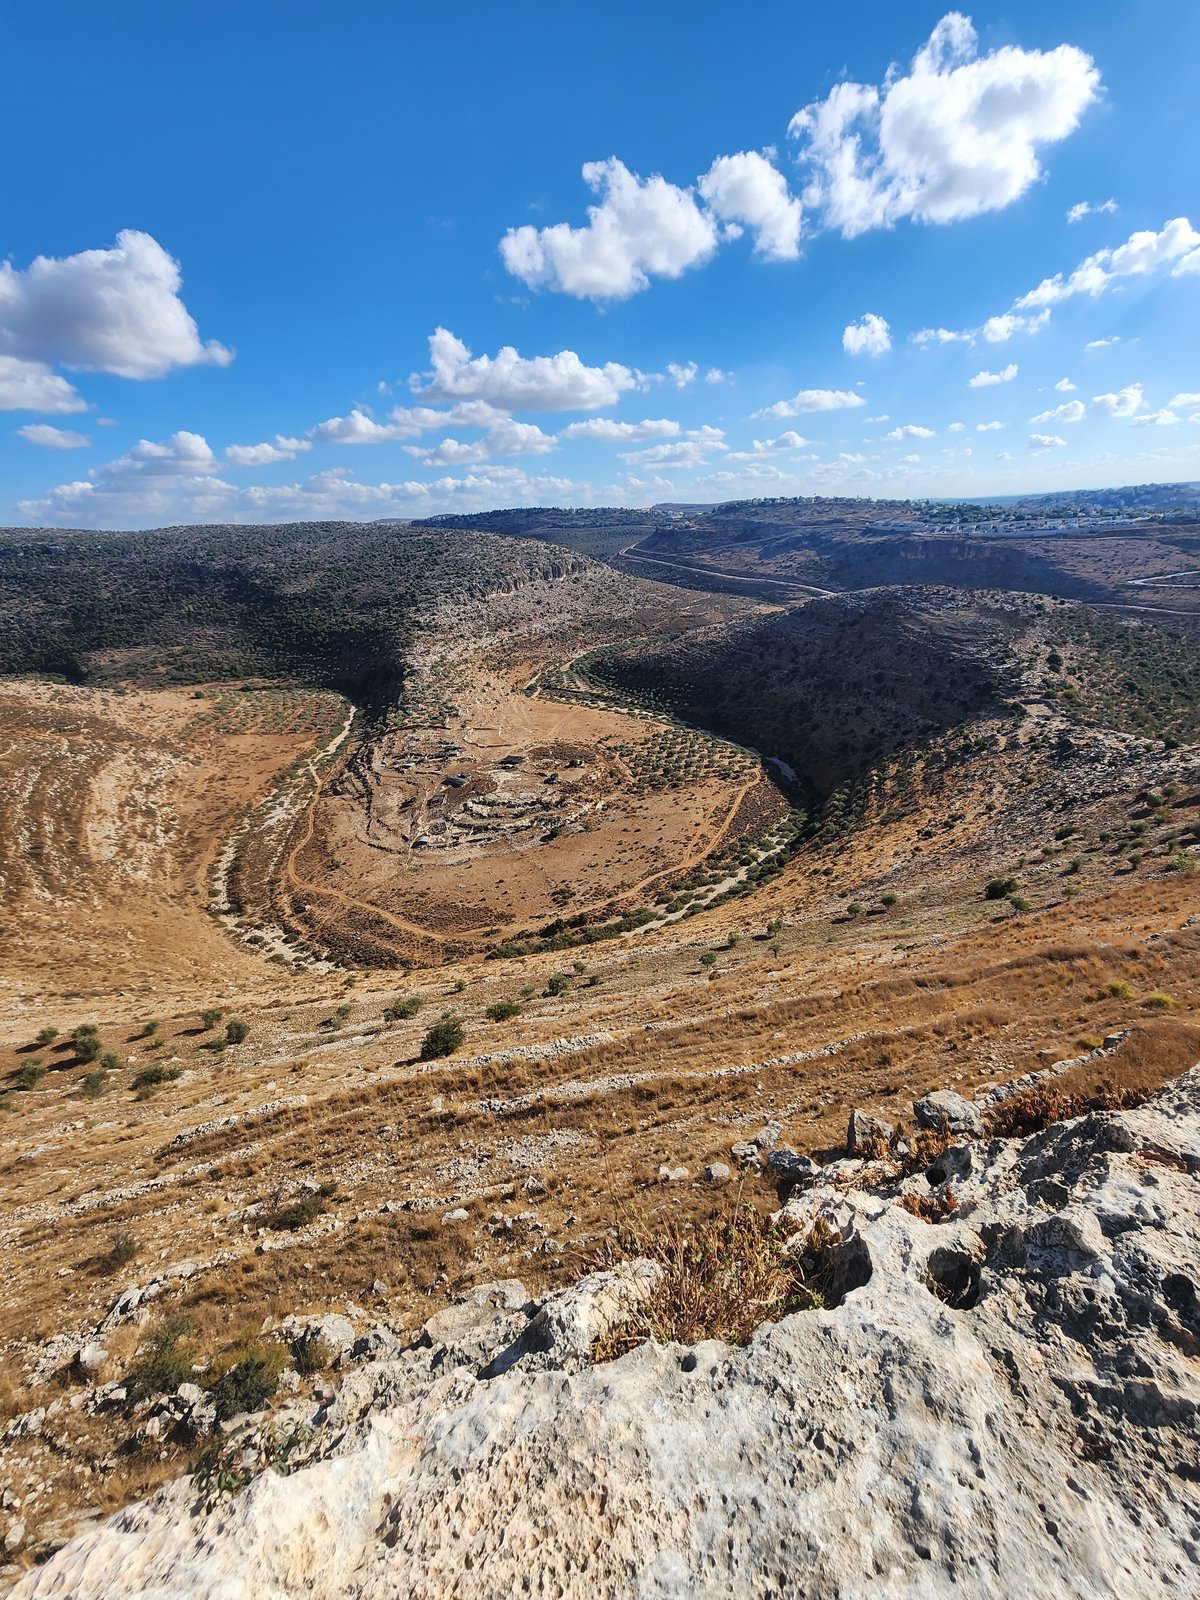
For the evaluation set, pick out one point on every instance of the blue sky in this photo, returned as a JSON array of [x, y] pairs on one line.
[[268, 262]]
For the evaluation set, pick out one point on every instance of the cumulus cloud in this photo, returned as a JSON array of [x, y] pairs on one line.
[[956, 427], [748, 190], [516, 383], [985, 379], [640, 228], [682, 376], [53, 438], [604, 428], [957, 136], [869, 336], [116, 310], [684, 453], [1070, 411], [988, 427], [1142, 253], [1102, 344], [32, 386], [263, 455], [789, 440], [504, 437], [1084, 208], [910, 430], [812, 400], [716, 375], [1121, 404], [1183, 402], [1065, 386], [941, 336], [1045, 441]]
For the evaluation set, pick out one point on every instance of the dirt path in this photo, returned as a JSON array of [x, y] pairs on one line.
[[630, 551]]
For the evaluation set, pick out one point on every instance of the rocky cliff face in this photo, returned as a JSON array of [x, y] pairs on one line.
[[1006, 1406]]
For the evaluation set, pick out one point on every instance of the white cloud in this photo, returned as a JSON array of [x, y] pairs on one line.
[[869, 336], [504, 437], [1102, 344], [748, 189], [263, 455], [959, 135], [942, 336], [1183, 402], [681, 376], [998, 330], [53, 438], [715, 375], [910, 430], [606, 429], [1084, 208], [641, 228], [358, 428], [115, 310], [1065, 386], [1045, 441], [988, 427], [515, 383], [1142, 253], [1121, 404], [956, 427], [684, 453], [32, 386], [1165, 418], [813, 400], [1069, 411], [985, 379], [789, 440], [882, 417], [124, 494]]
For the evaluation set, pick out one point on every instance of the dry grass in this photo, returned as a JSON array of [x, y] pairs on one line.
[[721, 1279]]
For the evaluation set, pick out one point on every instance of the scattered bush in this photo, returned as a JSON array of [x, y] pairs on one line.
[[46, 1036], [211, 1017], [312, 1355], [150, 1078], [558, 983], [249, 1383], [93, 1083], [1161, 1002], [445, 1037], [888, 899], [166, 1365], [403, 1010], [236, 1032], [708, 958], [300, 1212], [1018, 902], [122, 1247], [1119, 990], [999, 888], [1034, 1109], [502, 1010], [110, 1062], [30, 1073]]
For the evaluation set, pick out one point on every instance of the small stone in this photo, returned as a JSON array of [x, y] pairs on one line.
[[15, 1537], [380, 1288], [768, 1136], [745, 1152], [787, 1163], [89, 1359], [716, 1172], [672, 1174], [459, 1214]]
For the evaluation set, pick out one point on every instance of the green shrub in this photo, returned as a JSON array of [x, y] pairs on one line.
[[403, 1010], [249, 1383], [312, 1355], [92, 1083], [999, 888], [445, 1037], [855, 908], [211, 1017], [150, 1078], [558, 983], [30, 1073], [708, 958], [166, 1365], [109, 1062], [502, 1010], [236, 1032], [46, 1036], [1018, 902], [888, 899]]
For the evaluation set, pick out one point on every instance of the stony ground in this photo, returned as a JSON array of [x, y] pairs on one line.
[[999, 1401]]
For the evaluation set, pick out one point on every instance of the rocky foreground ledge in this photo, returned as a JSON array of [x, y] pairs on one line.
[[1003, 1403]]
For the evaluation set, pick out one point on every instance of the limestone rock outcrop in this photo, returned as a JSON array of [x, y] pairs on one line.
[[1007, 1405]]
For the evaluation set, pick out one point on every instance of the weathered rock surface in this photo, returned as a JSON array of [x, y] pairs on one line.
[[1006, 1406]]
